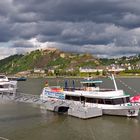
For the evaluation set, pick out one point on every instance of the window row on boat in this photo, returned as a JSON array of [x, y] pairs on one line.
[[110, 101], [87, 89]]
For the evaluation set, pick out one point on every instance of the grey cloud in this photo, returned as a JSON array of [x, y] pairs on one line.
[[24, 17], [22, 44], [5, 7], [99, 11], [76, 24], [5, 32], [24, 30], [109, 50]]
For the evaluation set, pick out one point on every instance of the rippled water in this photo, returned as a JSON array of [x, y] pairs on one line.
[[19, 121]]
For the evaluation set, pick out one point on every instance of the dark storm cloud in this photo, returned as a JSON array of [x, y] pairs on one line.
[[78, 10], [83, 25], [23, 44], [99, 11], [5, 7]]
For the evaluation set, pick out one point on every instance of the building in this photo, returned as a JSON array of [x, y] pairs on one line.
[[115, 69], [90, 70], [38, 70]]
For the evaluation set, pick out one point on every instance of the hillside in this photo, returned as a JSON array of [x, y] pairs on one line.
[[63, 62], [47, 59]]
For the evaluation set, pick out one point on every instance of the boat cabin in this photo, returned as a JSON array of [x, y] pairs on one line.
[[6, 85], [107, 101], [3, 78], [91, 85]]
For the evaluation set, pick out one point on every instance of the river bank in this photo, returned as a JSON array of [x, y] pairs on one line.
[[79, 77], [75, 77]]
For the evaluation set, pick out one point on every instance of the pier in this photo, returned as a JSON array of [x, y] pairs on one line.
[[61, 106]]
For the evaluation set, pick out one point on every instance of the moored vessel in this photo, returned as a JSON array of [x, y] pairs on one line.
[[7, 85], [110, 101]]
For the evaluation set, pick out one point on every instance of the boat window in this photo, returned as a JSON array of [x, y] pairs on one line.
[[92, 85], [2, 77], [91, 100], [100, 101], [118, 101], [82, 98], [75, 98], [67, 97], [95, 100], [108, 101], [127, 99], [89, 85], [1, 86]]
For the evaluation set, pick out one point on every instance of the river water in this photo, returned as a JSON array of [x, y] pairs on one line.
[[20, 121]]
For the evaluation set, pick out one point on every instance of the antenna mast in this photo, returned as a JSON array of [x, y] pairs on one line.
[[114, 82]]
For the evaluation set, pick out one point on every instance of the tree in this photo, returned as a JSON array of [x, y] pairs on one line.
[[97, 72], [104, 73]]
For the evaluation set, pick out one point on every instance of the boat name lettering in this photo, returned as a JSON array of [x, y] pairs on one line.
[[54, 94]]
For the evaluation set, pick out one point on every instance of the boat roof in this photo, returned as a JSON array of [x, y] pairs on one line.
[[3, 78], [8, 82], [119, 96], [89, 95], [91, 81]]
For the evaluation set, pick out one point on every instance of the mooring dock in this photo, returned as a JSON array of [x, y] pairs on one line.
[[61, 106]]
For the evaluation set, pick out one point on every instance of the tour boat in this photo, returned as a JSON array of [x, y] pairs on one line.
[[111, 101], [6, 85]]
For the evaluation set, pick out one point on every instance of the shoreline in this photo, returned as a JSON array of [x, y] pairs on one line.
[[79, 77]]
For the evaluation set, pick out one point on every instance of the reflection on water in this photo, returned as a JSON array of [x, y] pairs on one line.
[[19, 121]]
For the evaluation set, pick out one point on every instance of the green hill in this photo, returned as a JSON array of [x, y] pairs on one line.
[[47, 59], [63, 63]]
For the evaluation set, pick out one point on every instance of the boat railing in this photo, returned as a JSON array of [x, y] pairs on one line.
[[85, 89], [104, 90], [72, 88]]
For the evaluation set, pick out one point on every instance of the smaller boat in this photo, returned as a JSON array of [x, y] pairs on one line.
[[7, 85], [21, 78]]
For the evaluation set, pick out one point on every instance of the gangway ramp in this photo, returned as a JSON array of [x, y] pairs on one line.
[[72, 108], [30, 98], [21, 97]]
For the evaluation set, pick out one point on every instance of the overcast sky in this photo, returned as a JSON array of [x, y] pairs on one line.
[[105, 28]]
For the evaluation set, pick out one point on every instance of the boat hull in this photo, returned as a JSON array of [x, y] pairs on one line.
[[128, 111], [131, 111]]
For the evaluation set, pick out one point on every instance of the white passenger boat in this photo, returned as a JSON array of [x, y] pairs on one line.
[[7, 86], [111, 101]]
